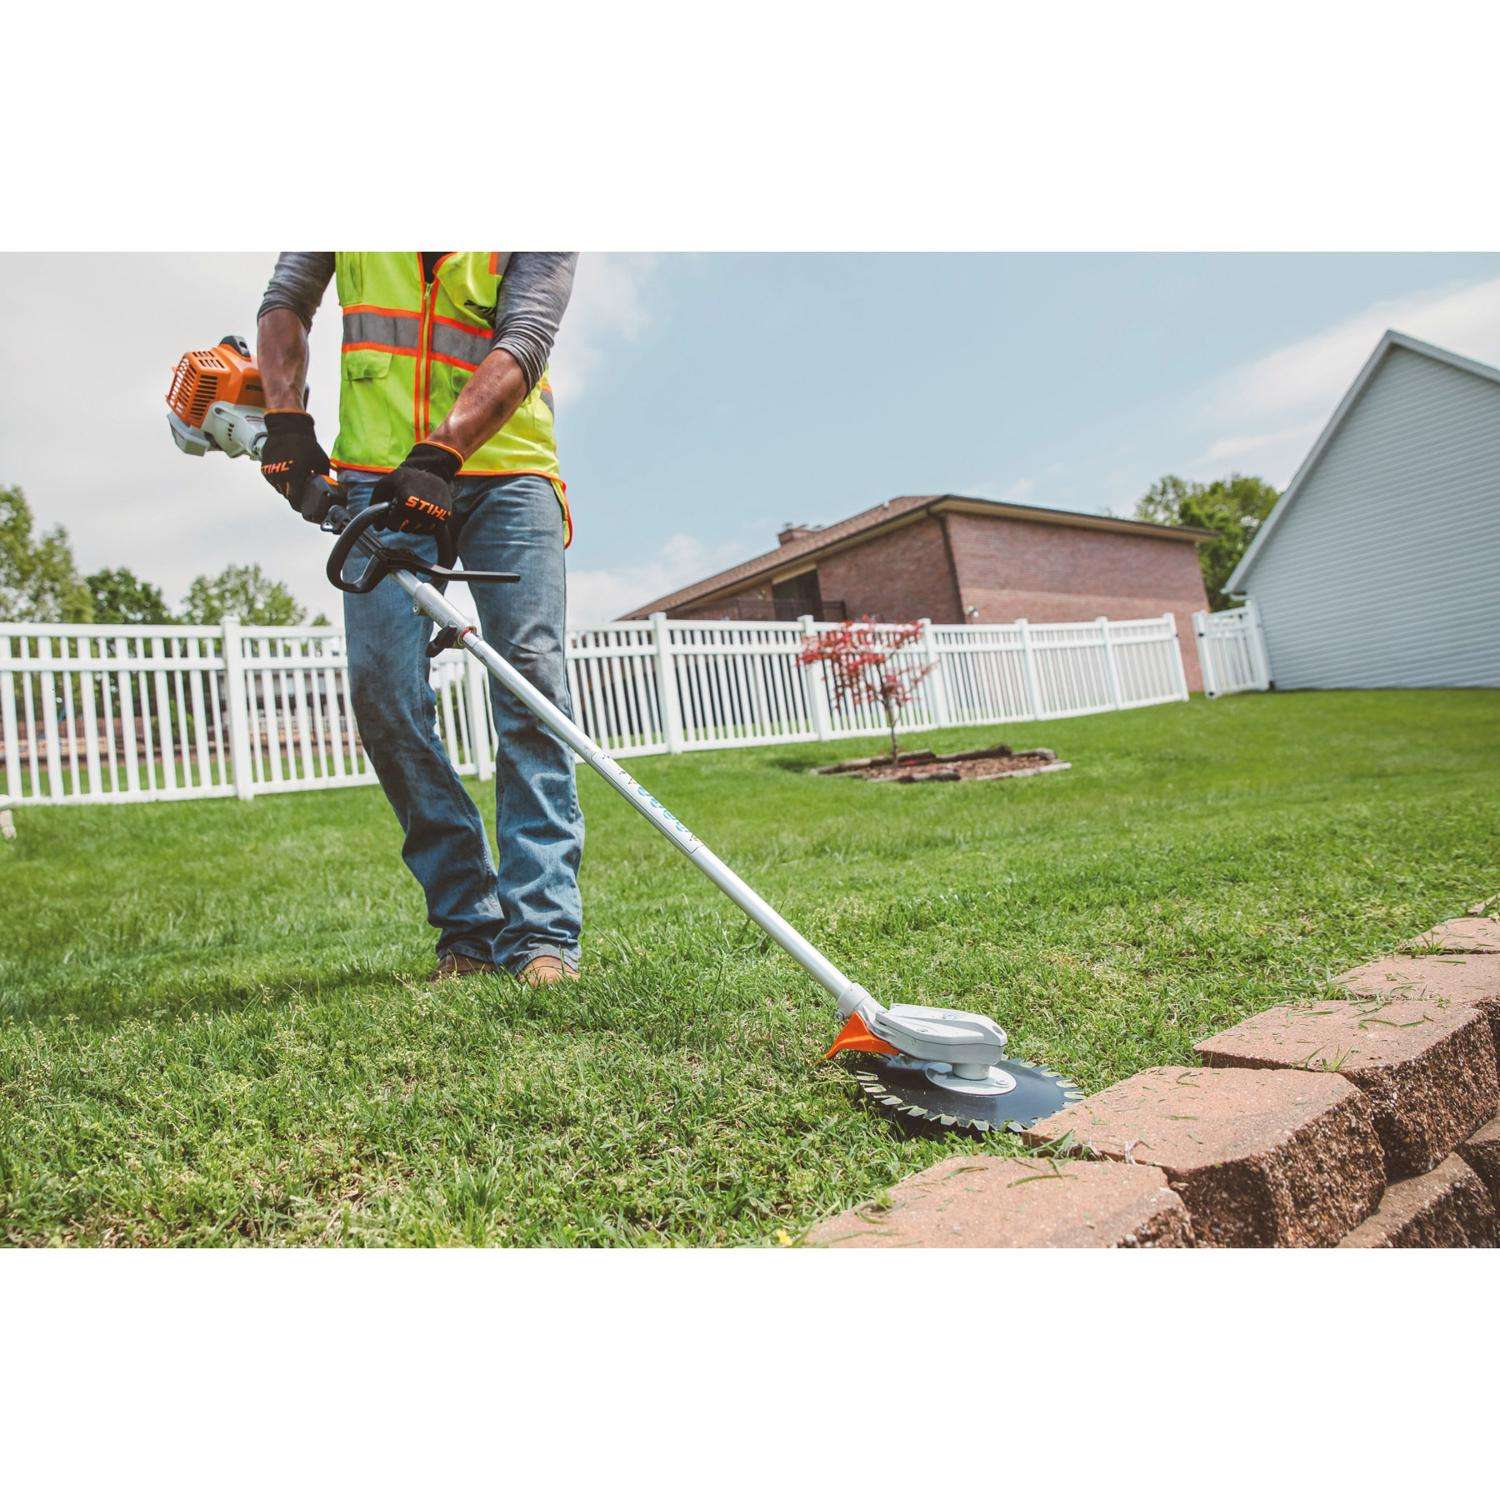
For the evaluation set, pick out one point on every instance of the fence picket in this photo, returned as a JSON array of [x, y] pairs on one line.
[[164, 717], [31, 736], [47, 690], [106, 695], [8, 722], [194, 718], [125, 692], [70, 718]]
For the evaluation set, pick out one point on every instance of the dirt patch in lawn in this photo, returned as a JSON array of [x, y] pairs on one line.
[[968, 765]]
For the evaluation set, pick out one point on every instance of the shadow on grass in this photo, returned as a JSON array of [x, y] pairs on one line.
[[106, 1004], [789, 763]]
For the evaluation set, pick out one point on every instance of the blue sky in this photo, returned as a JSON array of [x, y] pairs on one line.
[[705, 399], [744, 391]]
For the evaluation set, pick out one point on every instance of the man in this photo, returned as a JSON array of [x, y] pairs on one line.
[[446, 412]]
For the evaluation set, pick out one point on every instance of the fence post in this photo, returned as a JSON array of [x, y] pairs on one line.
[[1205, 652], [1179, 673], [666, 685], [1028, 667], [239, 725], [817, 687], [8, 723], [939, 696], [1111, 665], [477, 685], [1258, 650]]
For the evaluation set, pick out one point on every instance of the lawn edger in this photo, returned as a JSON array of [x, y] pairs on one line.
[[948, 1067]]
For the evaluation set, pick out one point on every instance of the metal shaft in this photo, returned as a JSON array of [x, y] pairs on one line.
[[850, 996]]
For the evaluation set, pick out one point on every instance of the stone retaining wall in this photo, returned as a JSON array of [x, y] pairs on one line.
[[1370, 1119]]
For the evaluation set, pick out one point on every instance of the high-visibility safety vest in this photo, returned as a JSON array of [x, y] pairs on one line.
[[410, 347]]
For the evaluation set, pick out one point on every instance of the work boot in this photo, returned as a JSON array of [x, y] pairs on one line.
[[546, 968], [460, 966]]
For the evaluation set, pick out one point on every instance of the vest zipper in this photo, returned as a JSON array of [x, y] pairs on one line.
[[422, 415]]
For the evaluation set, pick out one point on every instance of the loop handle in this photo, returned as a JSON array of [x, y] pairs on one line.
[[321, 504], [374, 570]]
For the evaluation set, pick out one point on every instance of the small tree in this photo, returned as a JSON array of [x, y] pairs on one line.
[[120, 598], [38, 579], [1233, 508], [862, 665], [244, 591]]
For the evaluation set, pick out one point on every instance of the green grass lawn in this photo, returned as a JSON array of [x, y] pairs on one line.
[[213, 1031]]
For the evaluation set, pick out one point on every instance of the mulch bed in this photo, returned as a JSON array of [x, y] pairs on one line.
[[968, 765]]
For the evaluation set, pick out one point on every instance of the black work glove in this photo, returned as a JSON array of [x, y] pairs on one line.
[[421, 490], [292, 455]]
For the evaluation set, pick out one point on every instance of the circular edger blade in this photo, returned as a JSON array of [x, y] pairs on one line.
[[902, 1085]]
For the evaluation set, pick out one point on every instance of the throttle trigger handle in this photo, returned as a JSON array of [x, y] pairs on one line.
[[319, 495]]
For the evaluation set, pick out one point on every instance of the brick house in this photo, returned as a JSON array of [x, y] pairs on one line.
[[956, 560]]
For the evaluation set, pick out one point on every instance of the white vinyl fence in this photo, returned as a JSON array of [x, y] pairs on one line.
[[1232, 651], [109, 713]]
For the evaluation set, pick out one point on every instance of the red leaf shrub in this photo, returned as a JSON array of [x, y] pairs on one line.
[[862, 666]]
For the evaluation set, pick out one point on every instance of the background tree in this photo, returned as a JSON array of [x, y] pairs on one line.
[[38, 578], [120, 598], [862, 666], [243, 590], [1232, 508]]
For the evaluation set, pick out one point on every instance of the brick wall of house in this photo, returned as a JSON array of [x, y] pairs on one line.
[[902, 575], [1008, 569]]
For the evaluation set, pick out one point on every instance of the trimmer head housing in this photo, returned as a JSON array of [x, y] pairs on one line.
[[948, 1067]]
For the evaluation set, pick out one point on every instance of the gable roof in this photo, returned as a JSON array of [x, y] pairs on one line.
[[1389, 340], [900, 511]]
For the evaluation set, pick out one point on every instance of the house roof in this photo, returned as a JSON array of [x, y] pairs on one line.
[[900, 511], [1389, 340]]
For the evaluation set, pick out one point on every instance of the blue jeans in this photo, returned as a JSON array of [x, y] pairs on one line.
[[531, 906]]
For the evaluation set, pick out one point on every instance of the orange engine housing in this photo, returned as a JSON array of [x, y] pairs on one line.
[[224, 373]]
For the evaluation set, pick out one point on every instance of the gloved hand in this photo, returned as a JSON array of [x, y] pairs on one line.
[[292, 454], [421, 490]]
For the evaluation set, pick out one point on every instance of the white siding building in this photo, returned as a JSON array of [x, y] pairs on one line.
[[1380, 565]]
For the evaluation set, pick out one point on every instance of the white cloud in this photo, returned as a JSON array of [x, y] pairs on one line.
[[1022, 491], [1268, 411], [1250, 446], [609, 303], [596, 595]]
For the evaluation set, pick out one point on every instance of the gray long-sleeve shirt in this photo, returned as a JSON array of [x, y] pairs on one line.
[[533, 296]]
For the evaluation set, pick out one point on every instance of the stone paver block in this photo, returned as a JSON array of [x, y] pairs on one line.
[[984, 1202], [1482, 1152], [1486, 908], [1427, 1068], [1260, 1156], [1462, 935], [1465, 978], [1445, 1209]]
